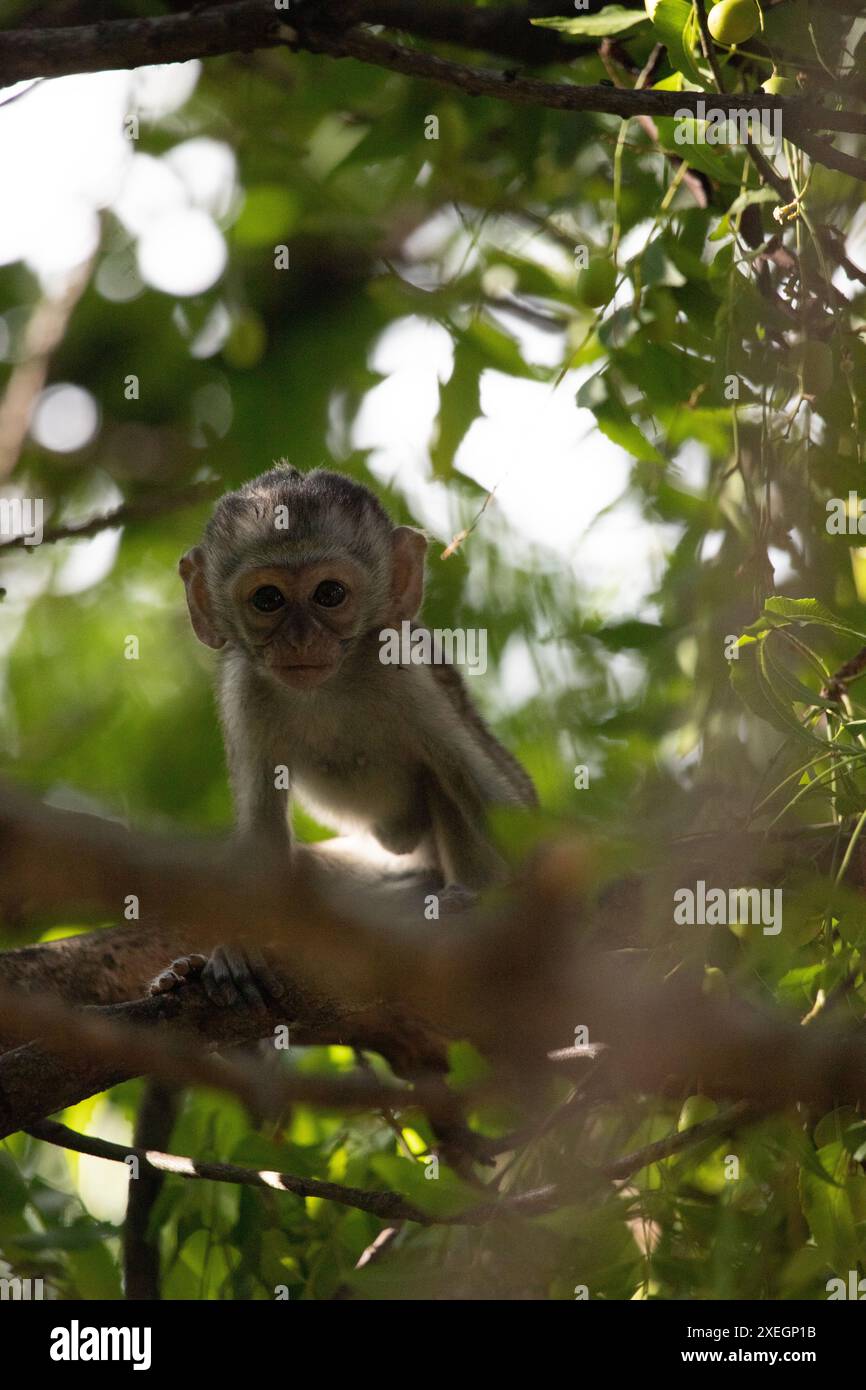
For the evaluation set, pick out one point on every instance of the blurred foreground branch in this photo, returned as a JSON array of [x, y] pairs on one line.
[[515, 981]]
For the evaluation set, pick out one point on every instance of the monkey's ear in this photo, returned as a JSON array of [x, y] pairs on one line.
[[407, 582], [191, 567]]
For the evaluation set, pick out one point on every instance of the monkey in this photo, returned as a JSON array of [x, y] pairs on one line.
[[297, 575]]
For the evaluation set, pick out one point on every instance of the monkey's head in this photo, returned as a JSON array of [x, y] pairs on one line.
[[295, 568]]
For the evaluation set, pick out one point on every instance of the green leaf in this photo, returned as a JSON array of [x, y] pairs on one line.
[[614, 420], [780, 611], [613, 19], [658, 269], [723, 168], [750, 679], [444, 1196], [827, 1208], [459, 405], [672, 21], [269, 212]]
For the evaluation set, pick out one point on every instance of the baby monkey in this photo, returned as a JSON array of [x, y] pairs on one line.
[[295, 578]]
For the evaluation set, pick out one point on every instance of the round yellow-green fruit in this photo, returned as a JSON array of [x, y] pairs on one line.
[[815, 369], [734, 21], [596, 284], [695, 1109], [778, 86]]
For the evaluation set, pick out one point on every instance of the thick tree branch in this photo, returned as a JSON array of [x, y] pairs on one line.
[[86, 1050], [515, 982], [252, 24]]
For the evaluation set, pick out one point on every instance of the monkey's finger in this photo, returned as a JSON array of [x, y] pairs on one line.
[[243, 976], [189, 965], [167, 980], [268, 982], [217, 980]]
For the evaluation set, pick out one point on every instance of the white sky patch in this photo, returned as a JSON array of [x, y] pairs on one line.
[[87, 562], [64, 156], [711, 545], [66, 417], [183, 253], [102, 1185], [159, 90], [208, 171], [151, 191], [554, 472]]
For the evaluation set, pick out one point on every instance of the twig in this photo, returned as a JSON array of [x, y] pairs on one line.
[[42, 335], [127, 514], [741, 1113]]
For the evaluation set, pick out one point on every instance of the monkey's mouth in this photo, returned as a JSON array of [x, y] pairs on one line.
[[303, 674]]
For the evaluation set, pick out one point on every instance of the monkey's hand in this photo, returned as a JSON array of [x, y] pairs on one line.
[[231, 976]]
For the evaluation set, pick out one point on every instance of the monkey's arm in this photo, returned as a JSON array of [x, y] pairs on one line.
[[261, 797], [259, 781]]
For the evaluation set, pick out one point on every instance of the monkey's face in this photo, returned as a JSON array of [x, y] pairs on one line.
[[296, 599], [299, 621]]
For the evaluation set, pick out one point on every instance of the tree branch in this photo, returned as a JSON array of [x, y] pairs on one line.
[[127, 514], [251, 24], [83, 1051], [386, 1205]]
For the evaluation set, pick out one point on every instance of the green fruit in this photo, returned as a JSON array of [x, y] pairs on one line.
[[596, 284], [734, 21], [778, 86], [695, 1109], [815, 370]]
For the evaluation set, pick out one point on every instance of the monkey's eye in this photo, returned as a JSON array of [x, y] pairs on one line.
[[329, 594], [267, 599]]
